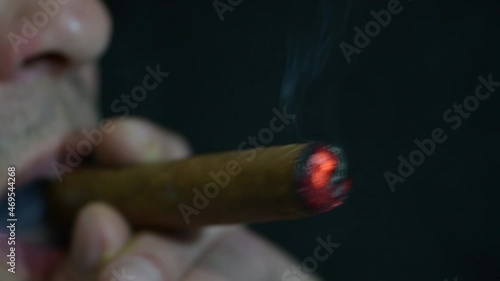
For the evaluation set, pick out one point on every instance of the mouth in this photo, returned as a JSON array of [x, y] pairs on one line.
[[25, 226]]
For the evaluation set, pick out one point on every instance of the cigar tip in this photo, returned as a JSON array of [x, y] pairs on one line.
[[322, 178]]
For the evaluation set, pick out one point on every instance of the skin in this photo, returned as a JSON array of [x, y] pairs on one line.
[[48, 94]]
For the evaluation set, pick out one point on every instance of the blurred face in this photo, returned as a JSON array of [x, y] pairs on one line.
[[49, 50]]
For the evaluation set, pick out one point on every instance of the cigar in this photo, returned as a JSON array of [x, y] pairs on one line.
[[246, 186]]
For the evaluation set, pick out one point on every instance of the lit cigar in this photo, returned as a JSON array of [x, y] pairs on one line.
[[256, 185]]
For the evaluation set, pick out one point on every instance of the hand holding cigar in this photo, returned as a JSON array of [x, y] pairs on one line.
[[115, 208], [104, 244]]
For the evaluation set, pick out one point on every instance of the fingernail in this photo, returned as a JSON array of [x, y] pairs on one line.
[[153, 151], [132, 268], [148, 145], [85, 250]]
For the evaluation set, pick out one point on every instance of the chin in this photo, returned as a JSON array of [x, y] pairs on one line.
[[32, 152]]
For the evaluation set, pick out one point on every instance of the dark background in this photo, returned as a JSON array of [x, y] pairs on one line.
[[442, 222]]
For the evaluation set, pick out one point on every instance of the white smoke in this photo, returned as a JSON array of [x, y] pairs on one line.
[[309, 49]]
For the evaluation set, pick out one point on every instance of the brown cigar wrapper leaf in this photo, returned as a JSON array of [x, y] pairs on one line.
[[156, 195]]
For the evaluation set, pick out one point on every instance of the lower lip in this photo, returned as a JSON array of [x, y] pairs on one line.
[[39, 259], [29, 73]]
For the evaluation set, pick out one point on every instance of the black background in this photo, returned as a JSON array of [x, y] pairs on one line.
[[442, 222]]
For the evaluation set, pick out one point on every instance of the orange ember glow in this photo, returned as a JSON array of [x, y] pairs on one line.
[[322, 165]]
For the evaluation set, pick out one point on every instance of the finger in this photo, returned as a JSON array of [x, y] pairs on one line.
[[136, 140], [99, 233], [156, 258], [242, 256]]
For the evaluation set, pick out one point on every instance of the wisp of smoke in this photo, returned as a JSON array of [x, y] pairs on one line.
[[308, 51]]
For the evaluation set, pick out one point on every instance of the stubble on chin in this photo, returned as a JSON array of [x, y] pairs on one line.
[[37, 116]]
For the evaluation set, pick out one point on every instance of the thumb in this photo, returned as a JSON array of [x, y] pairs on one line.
[[136, 140], [99, 233]]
